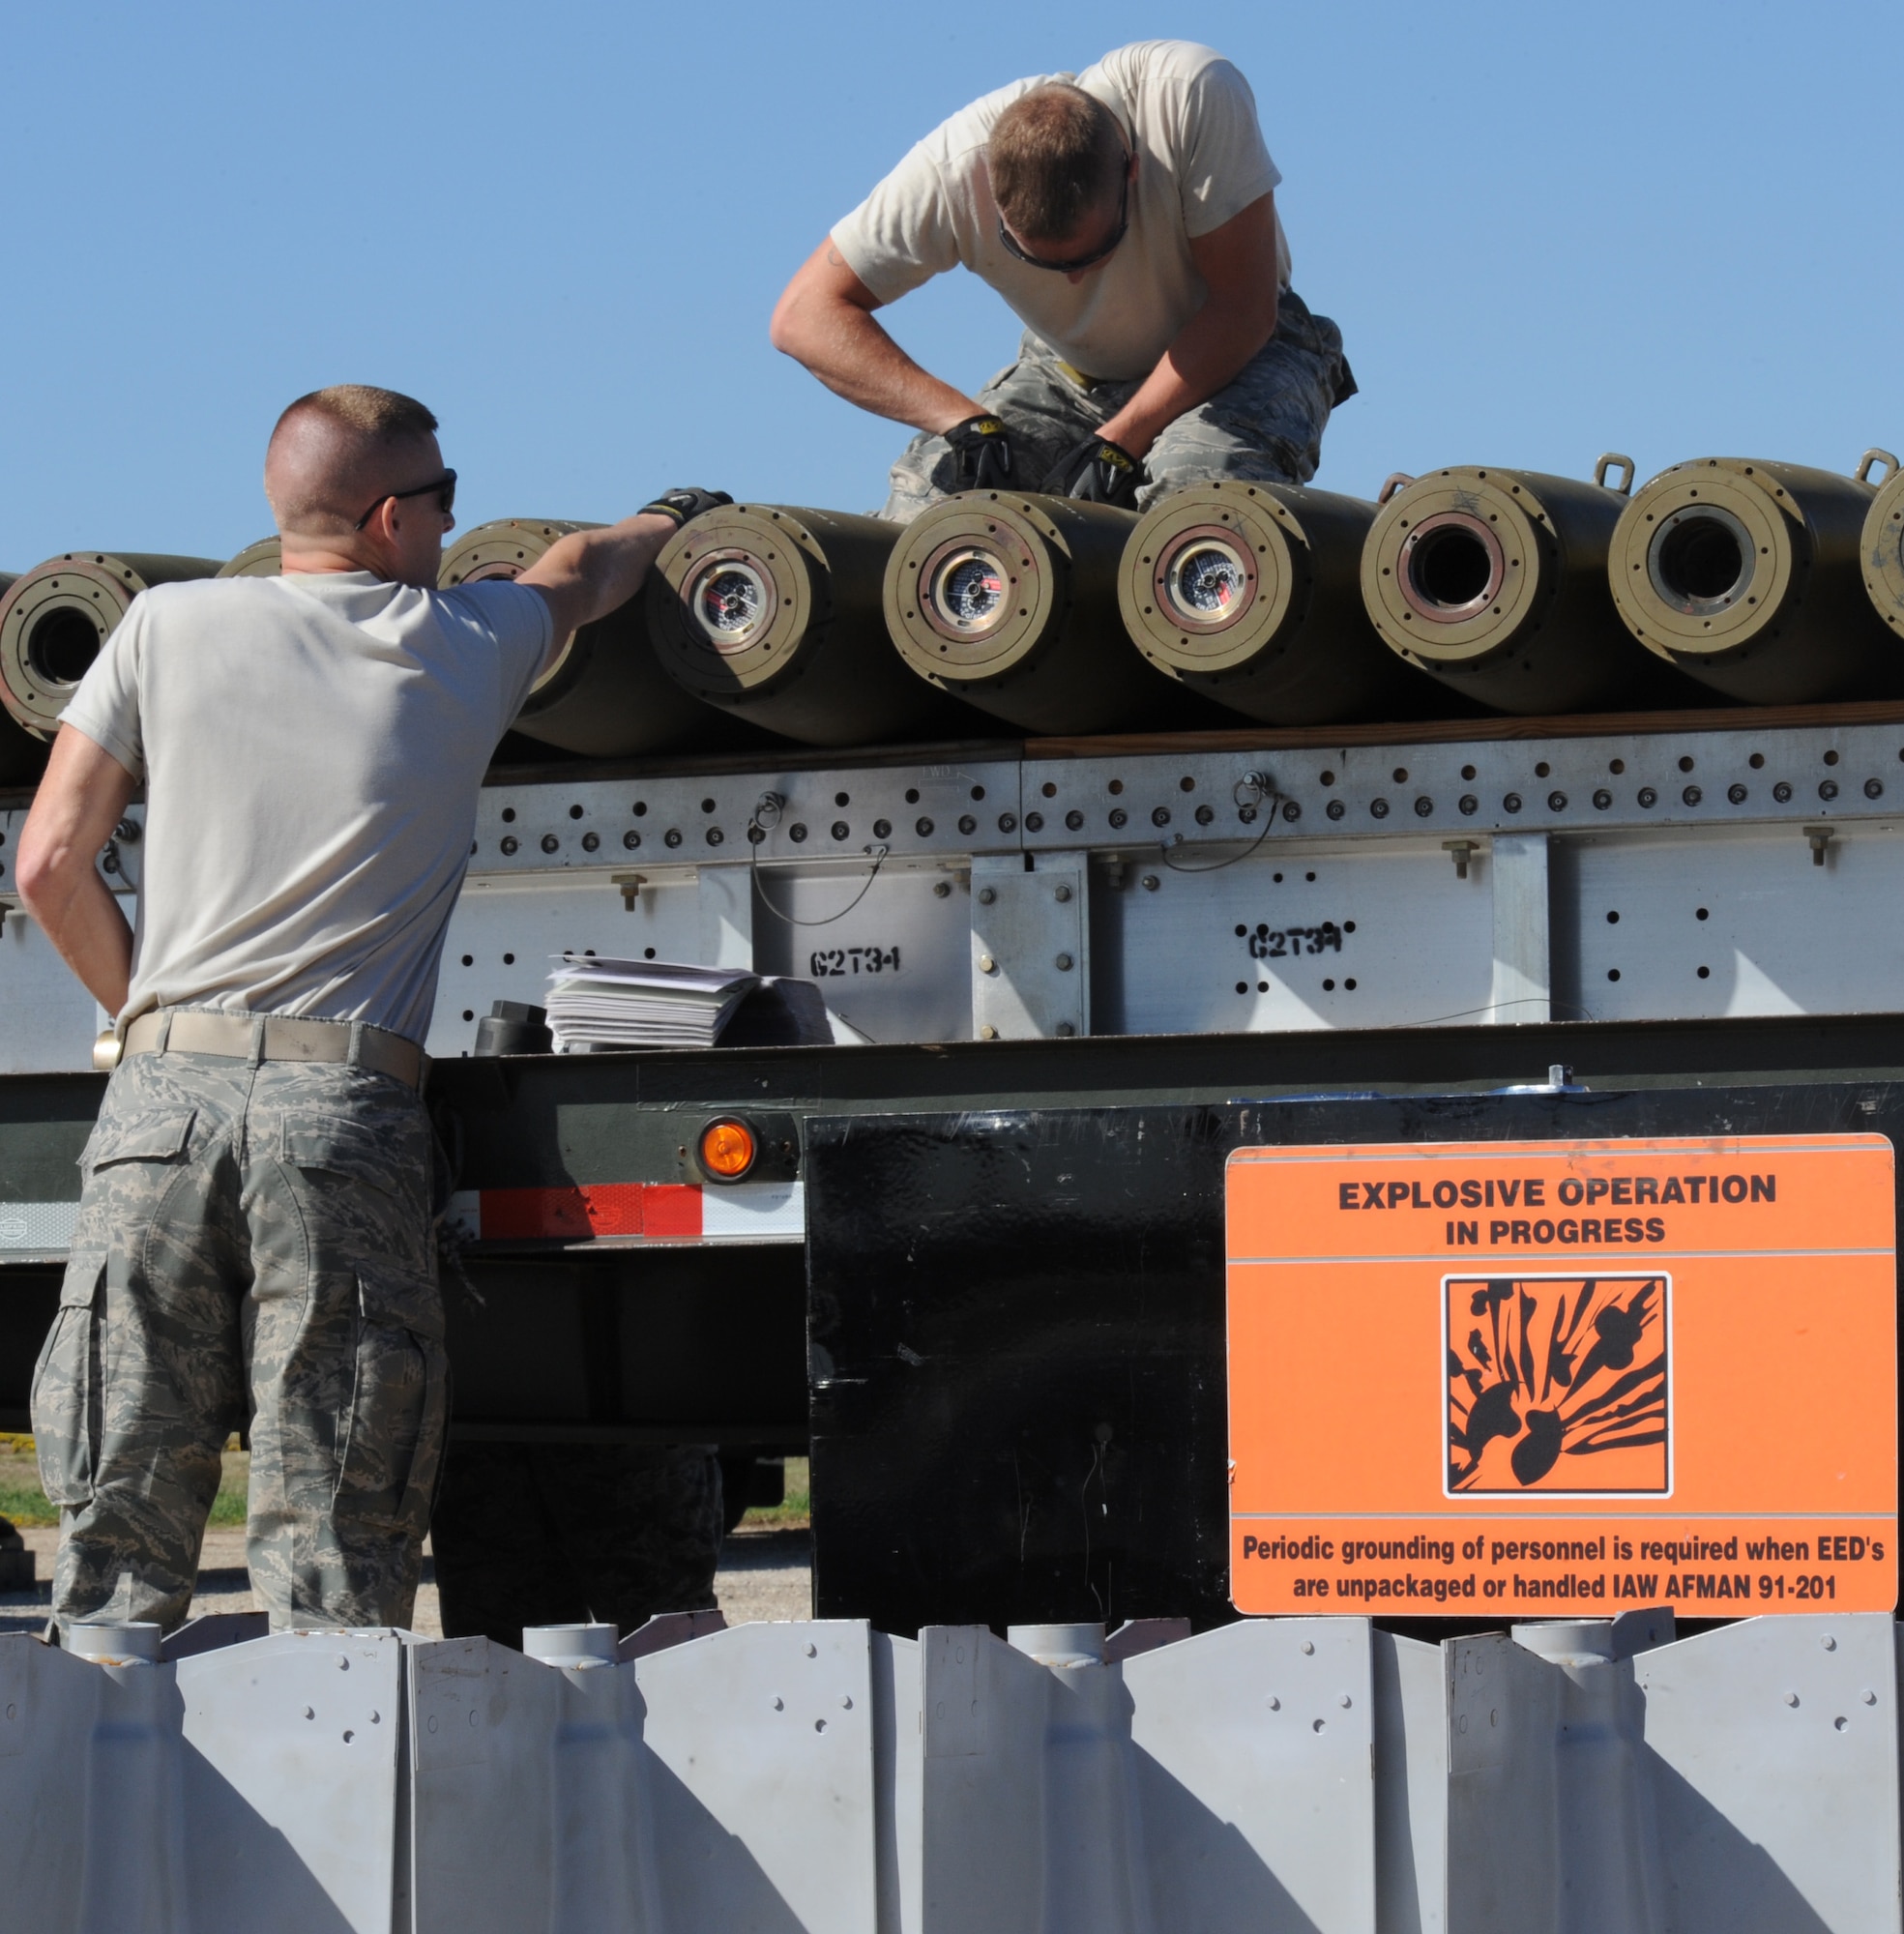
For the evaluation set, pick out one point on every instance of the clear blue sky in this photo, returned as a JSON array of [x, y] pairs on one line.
[[1669, 229]]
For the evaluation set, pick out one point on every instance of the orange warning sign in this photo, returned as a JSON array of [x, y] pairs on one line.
[[1563, 1377]]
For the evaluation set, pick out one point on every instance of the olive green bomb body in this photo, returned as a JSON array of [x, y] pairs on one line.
[[1749, 576], [1494, 581], [772, 612], [55, 617], [1251, 594], [605, 696], [1012, 603], [21, 755], [263, 559]]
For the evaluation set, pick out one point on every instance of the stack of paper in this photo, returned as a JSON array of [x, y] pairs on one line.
[[598, 1003]]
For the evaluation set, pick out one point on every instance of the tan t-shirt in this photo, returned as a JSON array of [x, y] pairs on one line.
[[313, 748], [1201, 160]]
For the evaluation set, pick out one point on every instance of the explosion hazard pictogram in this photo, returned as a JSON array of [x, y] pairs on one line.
[[1557, 1384]]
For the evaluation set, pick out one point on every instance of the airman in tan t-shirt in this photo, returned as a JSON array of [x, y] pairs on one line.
[[1127, 216]]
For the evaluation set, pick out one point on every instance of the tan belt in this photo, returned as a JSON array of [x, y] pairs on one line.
[[277, 1038]]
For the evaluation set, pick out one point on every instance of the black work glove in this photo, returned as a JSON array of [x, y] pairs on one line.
[[683, 504], [1097, 471], [982, 453]]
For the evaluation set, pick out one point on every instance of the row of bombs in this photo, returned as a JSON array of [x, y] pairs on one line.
[[1468, 589]]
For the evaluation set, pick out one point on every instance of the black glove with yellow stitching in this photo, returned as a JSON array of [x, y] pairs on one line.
[[1097, 471], [982, 453], [683, 504]]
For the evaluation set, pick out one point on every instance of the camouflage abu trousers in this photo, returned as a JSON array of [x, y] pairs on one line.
[[1265, 427], [252, 1240]]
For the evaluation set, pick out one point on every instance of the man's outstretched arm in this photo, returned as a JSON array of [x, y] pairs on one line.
[[589, 573], [824, 320], [80, 799], [1238, 264]]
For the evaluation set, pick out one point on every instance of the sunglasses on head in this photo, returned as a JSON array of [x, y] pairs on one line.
[[445, 487], [1077, 262]]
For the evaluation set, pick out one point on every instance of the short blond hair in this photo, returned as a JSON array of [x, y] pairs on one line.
[[1054, 155], [334, 449], [382, 416]]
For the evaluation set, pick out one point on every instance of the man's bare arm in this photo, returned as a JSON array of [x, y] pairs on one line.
[[589, 573], [824, 321], [1237, 263], [79, 802]]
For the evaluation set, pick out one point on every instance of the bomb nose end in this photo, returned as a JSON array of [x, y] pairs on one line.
[[1700, 560], [1452, 568]]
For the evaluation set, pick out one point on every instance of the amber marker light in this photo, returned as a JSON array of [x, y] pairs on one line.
[[727, 1149]]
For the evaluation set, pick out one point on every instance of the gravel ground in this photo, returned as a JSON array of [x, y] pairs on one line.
[[763, 1575]]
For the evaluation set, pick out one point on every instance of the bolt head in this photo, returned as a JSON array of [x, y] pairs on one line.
[[1064, 894], [1150, 883], [986, 895]]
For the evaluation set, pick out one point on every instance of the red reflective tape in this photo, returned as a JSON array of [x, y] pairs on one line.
[[515, 1214], [577, 1214], [615, 1208], [672, 1208]]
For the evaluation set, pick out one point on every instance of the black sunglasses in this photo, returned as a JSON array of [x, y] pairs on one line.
[[1077, 262], [445, 487]]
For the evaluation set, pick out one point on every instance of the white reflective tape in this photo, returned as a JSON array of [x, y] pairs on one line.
[[754, 1212], [37, 1225], [464, 1214]]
